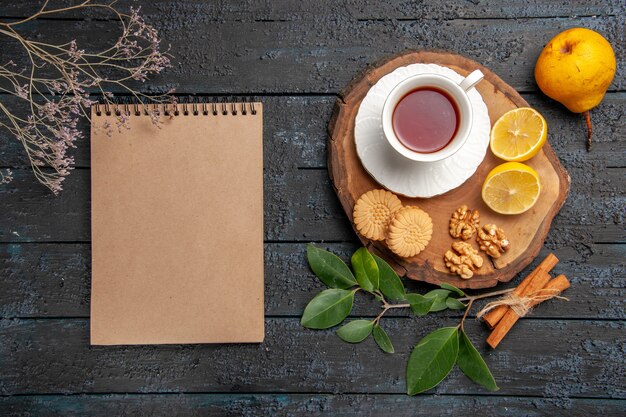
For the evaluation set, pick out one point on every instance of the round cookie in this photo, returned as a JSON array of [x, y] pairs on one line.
[[409, 231], [373, 211]]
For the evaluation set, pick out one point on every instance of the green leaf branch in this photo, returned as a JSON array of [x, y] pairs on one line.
[[434, 356]]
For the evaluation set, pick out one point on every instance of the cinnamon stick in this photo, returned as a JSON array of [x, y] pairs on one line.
[[553, 288], [494, 316]]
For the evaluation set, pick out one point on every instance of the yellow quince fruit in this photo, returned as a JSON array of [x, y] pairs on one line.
[[576, 68]]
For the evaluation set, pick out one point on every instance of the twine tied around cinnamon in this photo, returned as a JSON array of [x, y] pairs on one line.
[[522, 305]]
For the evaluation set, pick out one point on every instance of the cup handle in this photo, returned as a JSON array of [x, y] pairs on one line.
[[471, 80]]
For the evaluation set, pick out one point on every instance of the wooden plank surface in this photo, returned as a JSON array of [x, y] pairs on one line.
[[322, 55], [57, 352], [290, 405], [566, 359], [295, 133], [53, 280], [299, 205], [271, 10]]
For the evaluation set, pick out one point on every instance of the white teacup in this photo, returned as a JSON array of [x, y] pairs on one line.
[[457, 91]]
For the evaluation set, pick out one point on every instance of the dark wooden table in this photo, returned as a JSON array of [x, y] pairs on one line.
[[567, 358]]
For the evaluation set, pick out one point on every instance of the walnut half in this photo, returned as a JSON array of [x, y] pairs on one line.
[[458, 265], [492, 240], [467, 260], [464, 222]]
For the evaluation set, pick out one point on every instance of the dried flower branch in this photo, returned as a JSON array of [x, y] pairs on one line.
[[56, 102]]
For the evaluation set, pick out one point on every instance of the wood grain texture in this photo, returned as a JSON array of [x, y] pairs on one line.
[[526, 231], [53, 280], [251, 10], [294, 359], [321, 54], [295, 133], [291, 405], [282, 51], [299, 205]]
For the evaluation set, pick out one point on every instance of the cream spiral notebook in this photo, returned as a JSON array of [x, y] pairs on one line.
[[177, 224]]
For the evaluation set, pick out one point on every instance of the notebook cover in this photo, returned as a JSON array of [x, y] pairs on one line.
[[177, 230]]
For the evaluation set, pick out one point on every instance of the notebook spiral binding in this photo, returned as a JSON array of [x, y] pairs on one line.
[[185, 107]]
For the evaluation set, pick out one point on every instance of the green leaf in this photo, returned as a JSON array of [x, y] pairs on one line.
[[440, 299], [432, 360], [327, 309], [331, 270], [473, 365], [365, 269], [356, 331], [454, 304], [420, 305], [389, 282], [452, 288], [382, 340]]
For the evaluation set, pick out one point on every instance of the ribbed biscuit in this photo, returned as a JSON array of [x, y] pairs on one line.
[[409, 231], [373, 211]]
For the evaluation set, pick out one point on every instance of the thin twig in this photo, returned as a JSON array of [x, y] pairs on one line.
[[589, 129], [386, 306], [467, 309], [390, 306], [42, 12], [487, 295]]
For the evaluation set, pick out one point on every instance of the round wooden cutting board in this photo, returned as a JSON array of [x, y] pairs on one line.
[[526, 231]]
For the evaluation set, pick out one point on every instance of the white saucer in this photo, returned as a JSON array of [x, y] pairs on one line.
[[401, 175]]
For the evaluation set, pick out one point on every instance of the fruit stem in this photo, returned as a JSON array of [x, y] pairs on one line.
[[589, 129]]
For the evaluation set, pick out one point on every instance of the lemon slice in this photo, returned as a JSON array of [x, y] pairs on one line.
[[518, 134], [511, 188]]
